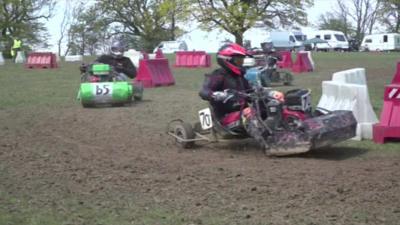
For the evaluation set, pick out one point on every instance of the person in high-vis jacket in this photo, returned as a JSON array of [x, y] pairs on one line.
[[17, 43]]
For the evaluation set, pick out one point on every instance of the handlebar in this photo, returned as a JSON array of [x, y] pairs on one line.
[[252, 94]]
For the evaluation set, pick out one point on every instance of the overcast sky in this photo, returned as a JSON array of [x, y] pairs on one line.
[[196, 39]]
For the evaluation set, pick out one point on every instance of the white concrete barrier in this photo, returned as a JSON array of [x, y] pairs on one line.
[[134, 56], [1, 58], [329, 95], [348, 91], [20, 58], [73, 58], [352, 76]]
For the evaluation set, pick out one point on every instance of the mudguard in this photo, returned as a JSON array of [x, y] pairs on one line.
[[316, 132], [330, 129]]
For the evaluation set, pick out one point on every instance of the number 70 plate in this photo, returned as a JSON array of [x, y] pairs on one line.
[[205, 118]]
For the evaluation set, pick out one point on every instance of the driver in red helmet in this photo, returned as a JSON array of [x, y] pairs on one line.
[[230, 76]]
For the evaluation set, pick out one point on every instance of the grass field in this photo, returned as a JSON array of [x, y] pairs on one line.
[[48, 177]]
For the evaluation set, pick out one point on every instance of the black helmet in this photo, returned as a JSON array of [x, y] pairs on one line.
[[117, 49]]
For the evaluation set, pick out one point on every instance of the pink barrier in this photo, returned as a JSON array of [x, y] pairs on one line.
[[389, 125], [302, 63], [154, 73], [192, 59], [286, 61], [41, 60]]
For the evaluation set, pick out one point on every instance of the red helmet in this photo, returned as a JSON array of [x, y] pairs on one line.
[[226, 58]]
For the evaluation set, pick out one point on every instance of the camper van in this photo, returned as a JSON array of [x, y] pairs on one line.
[[171, 46], [335, 40], [279, 39], [381, 42]]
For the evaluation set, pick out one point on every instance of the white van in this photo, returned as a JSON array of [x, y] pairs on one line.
[[279, 39], [171, 46], [336, 40], [286, 39], [381, 42]]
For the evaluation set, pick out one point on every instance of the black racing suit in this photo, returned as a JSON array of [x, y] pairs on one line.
[[219, 80], [121, 65]]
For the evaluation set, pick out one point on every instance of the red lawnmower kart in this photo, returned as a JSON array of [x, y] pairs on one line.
[[291, 127]]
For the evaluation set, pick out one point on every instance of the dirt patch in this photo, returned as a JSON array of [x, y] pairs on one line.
[[109, 157]]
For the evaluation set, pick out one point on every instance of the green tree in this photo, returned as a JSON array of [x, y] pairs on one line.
[[390, 15], [331, 22], [362, 13], [23, 19], [237, 16], [88, 32], [146, 22]]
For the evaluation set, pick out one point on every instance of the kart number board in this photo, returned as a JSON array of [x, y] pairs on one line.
[[102, 91], [205, 118]]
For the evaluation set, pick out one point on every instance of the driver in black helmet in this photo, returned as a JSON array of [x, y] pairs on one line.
[[123, 65]]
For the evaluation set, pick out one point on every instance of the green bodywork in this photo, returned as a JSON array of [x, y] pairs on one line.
[[101, 69], [105, 93]]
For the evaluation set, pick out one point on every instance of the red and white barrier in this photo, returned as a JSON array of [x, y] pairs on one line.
[[286, 60], [389, 125], [302, 63], [192, 59], [309, 55], [41, 60], [154, 73]]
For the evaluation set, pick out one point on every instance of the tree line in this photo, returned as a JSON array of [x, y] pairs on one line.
[[87, 27]]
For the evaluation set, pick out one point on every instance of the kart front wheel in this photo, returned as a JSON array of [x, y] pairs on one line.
[[185, 133]]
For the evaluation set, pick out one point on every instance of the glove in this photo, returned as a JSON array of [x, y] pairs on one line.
[[219, 96]]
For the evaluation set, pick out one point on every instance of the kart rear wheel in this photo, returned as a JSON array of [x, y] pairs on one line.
[[184, 131], [137, 91]]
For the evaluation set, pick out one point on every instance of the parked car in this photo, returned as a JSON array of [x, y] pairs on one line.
[[354, 45], [381, 42]]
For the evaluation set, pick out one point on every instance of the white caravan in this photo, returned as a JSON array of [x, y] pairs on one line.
[[336, 40], [171, 46], [381, 42]]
